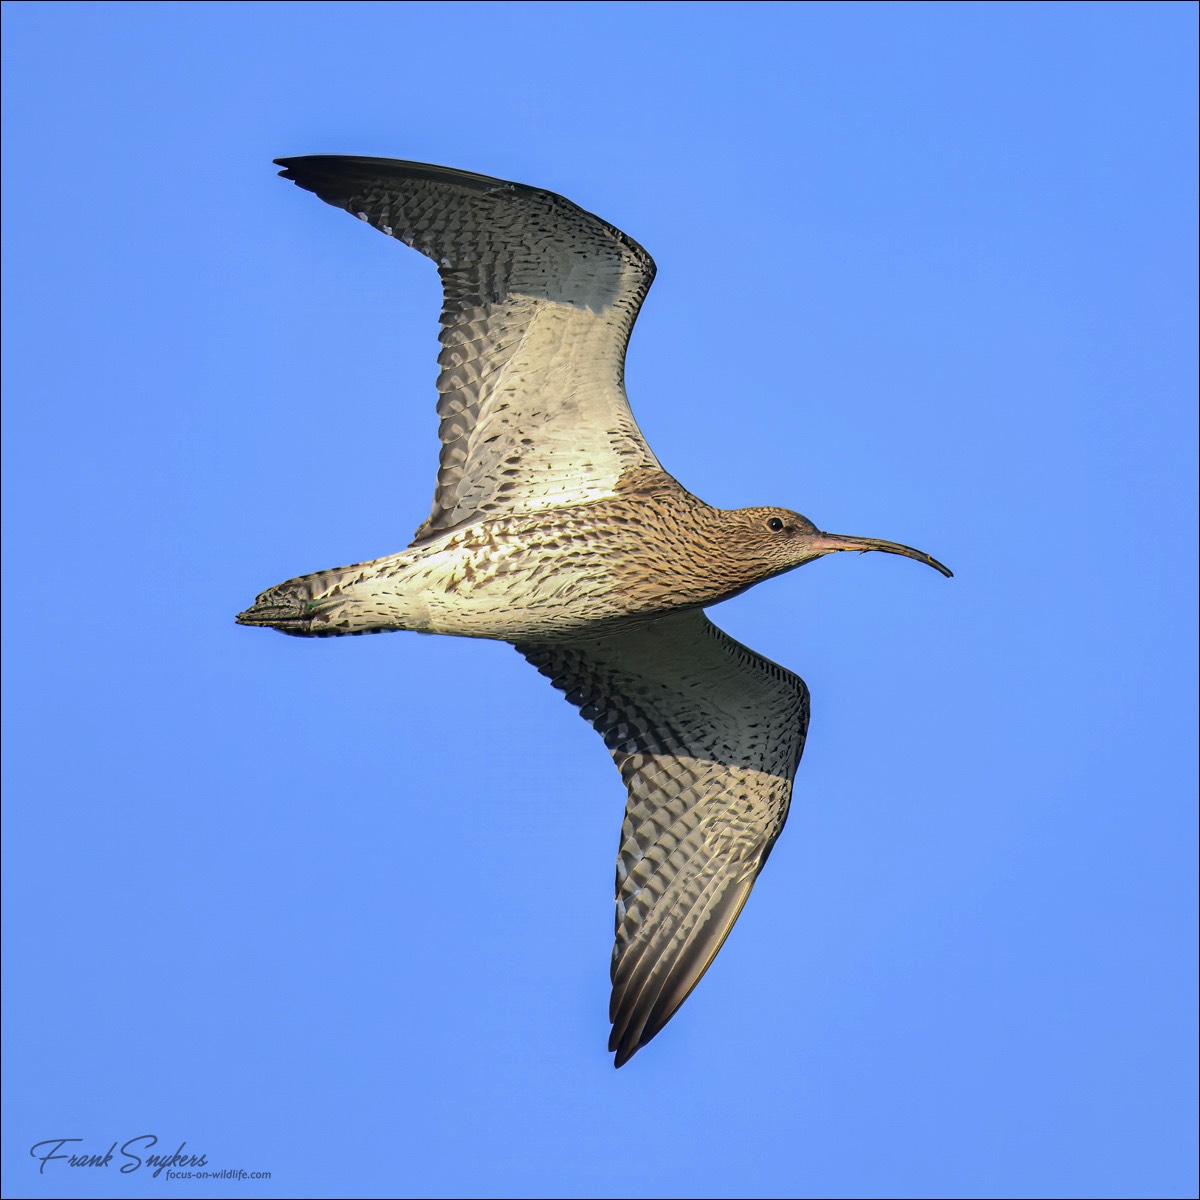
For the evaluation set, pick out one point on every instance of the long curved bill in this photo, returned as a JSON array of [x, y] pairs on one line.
[[830, 543]]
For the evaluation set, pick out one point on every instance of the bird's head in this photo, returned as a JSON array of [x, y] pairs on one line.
[[777, 539]]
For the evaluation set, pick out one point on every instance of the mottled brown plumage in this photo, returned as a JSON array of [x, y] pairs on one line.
[[554, 528]]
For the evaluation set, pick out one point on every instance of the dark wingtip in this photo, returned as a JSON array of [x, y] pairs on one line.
[[294, 170], [289, 165], [311, 171], [344, 168], [619, 1044]]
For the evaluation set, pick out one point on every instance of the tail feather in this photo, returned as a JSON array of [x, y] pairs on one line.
[[319, 605], [292, 607]]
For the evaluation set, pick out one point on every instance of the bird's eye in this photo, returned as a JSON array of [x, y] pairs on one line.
[[775, 524]]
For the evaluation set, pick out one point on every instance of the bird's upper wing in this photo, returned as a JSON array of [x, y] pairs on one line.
[[539, 301], [707, 735]]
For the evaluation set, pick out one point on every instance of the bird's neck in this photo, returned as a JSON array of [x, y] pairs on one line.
[[683, 551]]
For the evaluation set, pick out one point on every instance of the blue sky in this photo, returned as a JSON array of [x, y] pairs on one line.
[[341, 910]]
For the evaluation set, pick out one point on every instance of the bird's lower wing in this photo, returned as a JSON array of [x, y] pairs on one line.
[[707, 735]]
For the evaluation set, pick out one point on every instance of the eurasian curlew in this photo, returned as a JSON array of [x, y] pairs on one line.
[[555, 528]]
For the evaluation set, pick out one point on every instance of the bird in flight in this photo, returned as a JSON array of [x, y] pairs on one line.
[[554, 527]]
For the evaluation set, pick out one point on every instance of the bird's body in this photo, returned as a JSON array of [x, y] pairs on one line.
[[650, 549], [555, 528]]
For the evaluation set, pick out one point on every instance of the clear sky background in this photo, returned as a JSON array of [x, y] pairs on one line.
[[341, 910]]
